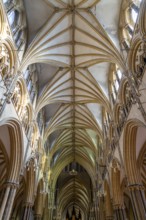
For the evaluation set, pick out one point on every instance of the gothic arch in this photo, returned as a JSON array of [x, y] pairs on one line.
[[129, 150], [142, 19], [16, 138], [12, 53], [141, 164], [133, 53], [19, 199], [4, 168]]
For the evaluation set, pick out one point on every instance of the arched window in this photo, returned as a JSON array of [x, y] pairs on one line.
[[115, 82], [134, 15], [13, 17], [18, 37], [8, 3], [15, 24], [30, 76], [129, 20]]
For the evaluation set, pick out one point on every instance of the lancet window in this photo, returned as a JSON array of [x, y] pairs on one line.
[[30, 76], [115, 82], [8, 3], [131, 16], [15, 22]]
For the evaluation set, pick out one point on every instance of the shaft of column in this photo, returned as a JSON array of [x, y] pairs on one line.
[[138, 201], [37, 217], [46, 214], [8, 200], [26, 211], [120, 212]]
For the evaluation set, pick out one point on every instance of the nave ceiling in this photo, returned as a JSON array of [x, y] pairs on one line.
[[72, 108], [73, 44]]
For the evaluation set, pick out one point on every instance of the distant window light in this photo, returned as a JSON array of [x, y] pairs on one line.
[[113, 92], [7, 1], [11, 17], [134, 15], [116, 85], [130, 30], [119, 73]]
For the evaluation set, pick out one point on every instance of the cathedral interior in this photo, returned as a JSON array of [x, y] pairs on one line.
[[72, 109]]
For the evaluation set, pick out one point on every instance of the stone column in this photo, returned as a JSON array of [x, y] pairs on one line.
[[138, 201], [7, 202], [108, 204], [46, 213], [39, 205], [120, 213], [26, 211], [118, 199], [101, 208]]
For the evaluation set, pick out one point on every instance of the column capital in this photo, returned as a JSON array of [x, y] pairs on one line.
[[132, 187], [28, 204], [119, 206], [12, 184]]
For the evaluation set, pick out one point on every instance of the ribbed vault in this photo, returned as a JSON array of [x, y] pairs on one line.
[[73, 189], [76, 44]]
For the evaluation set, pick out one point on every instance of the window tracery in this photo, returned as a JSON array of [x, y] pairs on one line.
[[130, 14], [124, 108], [115, 82], [30, 76], [8, 3], [16, 22], [115, 85]]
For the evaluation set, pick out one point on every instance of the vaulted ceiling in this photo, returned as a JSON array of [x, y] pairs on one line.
[[73, 43]]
